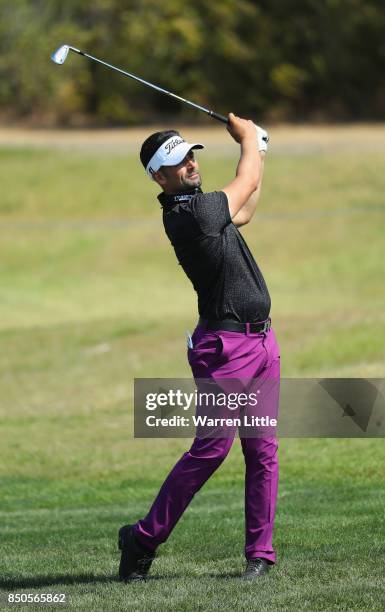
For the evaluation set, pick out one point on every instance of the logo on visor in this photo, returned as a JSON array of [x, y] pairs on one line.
[[172, 144]]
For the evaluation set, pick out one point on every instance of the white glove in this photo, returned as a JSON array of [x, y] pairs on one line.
[[262, 138]]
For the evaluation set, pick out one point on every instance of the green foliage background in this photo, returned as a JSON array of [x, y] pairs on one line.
[[264, 58]]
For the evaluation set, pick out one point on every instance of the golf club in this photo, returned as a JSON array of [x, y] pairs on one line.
[[60, 56]]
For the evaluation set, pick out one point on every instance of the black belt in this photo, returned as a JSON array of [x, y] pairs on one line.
[[229, 325]]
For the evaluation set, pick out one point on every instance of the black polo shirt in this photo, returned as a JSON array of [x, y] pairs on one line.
[[215, 256]]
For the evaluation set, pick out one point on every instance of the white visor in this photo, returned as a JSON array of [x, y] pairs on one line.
[[170, 153]]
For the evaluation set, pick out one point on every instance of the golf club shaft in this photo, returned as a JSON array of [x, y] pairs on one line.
[[156, 87]]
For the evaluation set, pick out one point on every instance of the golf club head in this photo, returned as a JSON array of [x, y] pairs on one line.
[[60, 55]]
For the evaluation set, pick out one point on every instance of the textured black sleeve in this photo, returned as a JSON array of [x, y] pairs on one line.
[[211, 212]]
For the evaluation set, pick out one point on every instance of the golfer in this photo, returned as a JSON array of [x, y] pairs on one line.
[[233, 337]]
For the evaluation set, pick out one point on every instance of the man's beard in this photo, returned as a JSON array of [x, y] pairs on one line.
[[191, 183]]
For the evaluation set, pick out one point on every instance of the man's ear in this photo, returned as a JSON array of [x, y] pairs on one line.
[[160, 178]]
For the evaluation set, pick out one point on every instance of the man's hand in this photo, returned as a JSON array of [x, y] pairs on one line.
[[240, 129]]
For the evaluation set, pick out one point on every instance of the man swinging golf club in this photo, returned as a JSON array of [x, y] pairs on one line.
[[233, 337]]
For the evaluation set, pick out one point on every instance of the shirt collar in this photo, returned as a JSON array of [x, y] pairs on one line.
[[168, 200]]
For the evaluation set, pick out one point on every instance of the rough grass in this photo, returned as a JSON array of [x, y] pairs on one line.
[[91, 297]]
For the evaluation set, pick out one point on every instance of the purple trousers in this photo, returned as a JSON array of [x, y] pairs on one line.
[[217, 355]]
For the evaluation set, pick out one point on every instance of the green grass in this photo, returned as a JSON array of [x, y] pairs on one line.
[[91, 297]]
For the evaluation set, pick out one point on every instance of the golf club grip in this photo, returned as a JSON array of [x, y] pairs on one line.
[[218, 117]]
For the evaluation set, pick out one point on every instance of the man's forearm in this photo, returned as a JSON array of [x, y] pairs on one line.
[[248, 209], [250, 162]]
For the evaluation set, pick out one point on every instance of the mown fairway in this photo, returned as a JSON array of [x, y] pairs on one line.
[[92, 296]]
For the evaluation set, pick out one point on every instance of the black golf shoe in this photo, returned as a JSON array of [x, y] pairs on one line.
[[255, 569], [136, 560]]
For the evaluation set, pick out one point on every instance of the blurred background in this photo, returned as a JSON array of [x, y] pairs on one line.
[[270, 59], [92, 296]]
